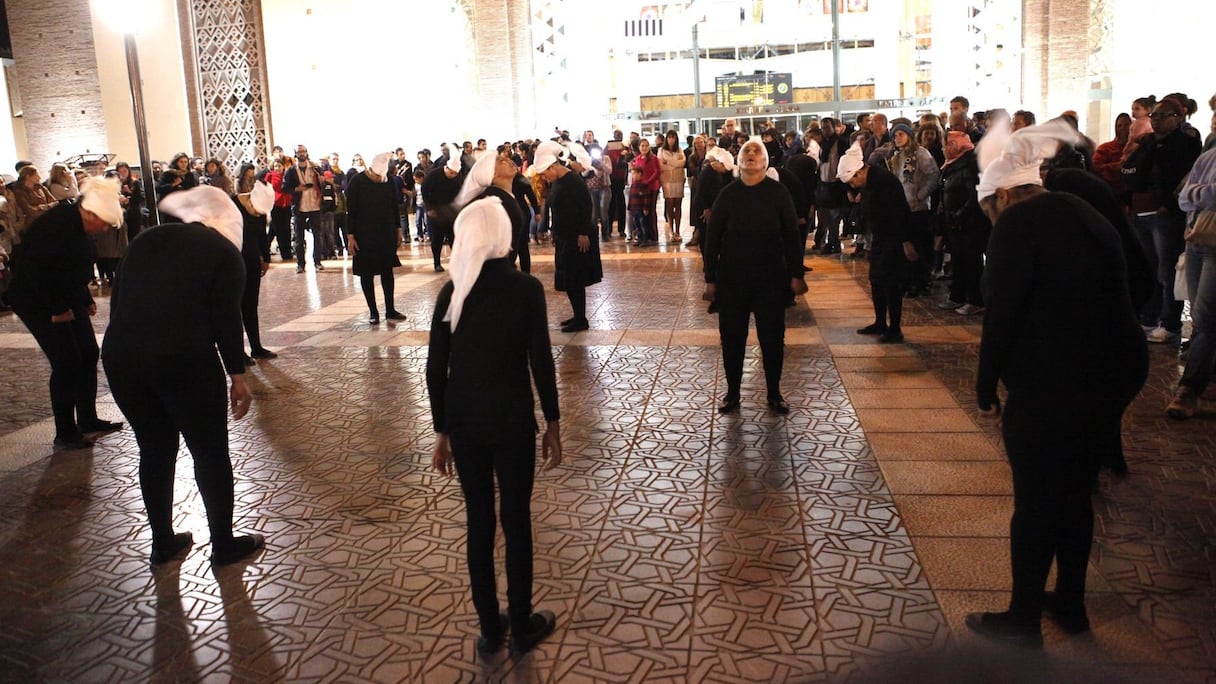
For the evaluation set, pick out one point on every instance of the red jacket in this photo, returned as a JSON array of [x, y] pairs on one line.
[[1108, 163], [281, 199], [649, 165]]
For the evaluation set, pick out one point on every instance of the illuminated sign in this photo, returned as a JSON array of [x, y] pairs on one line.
[[753, 90]]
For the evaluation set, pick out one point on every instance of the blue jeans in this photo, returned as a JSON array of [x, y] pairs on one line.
[[1201, 286], [312, 221], [420, 220], [599, 209], [1160, 236], [828, 221]]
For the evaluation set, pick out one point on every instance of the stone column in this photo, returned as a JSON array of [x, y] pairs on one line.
[[1055, 57]]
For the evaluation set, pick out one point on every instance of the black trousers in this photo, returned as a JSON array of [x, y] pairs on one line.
[[72, 351], [967, 254], [522, 252], [734, 311], [249, 305], [368, 283], [441, 230], [1054, 447], [616, 209], [280, 230], [921, 228], [479, 460], [190, 400]]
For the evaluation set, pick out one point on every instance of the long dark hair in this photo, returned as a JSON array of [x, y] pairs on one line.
[[671, 133]]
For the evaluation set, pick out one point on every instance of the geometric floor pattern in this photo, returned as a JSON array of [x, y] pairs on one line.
[[842, 542]]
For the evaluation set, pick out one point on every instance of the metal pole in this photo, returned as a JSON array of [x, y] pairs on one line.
[[696, 79], [141, 128], [836, 54]]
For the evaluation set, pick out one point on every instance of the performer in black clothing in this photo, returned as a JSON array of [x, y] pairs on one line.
[[1054, 263], [489, 328], [494, 176], [177, 298], [255, 251], [806, 169], [714, 176], [529, 206], [967, 227], [439, 190], [372, 212], [885, 212], [576, 247], [49, 292], [752, 262]]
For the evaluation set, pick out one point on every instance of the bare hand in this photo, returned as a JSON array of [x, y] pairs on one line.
[[265, 268], [93, 309], [710, 293], [705, 216], [993, 412], [551, 447], [441, 456], [239, 397], [910, 252], [352, 245], [584, 243], [798, 285], [64, 317]]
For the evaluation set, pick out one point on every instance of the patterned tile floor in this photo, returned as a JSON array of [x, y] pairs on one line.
[[843, 542]]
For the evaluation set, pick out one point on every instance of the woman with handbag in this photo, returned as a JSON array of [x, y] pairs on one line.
[[1198, 196]]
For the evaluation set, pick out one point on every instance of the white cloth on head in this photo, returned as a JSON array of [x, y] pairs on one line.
[[813, 150], [453, 163], [483, 231], [755, 139], [1009, 160], [380, 164], [722, 156], [850, 163], [101, 198], [547, 154], [262, 198], [771, 172], [209, 206], [579, 154], [480, 177]]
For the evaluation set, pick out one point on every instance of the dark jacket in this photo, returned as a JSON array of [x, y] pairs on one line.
[[477, 376], [1156, 169], [709, 184], [752, 242], [806, 169], [255, 241], [372, 214], [960, 206], [569, 207], [885, 215], [293, 184], [53, 265], [165, 186]]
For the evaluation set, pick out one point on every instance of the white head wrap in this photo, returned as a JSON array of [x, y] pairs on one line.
[[578, 153], [101, 198], [1008, 160], [480, 177], [483, 231], [262, 198], [756, 140], [772, 172], [850, 163], [209, 206], [380, 164], [722, 156], [547, 153], [813, 150], [453, 163]]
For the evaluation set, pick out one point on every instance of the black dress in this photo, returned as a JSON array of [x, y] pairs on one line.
[[371, 210], [569, 207]]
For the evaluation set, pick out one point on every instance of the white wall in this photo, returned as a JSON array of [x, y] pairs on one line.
[[8, 139], [164, 87]]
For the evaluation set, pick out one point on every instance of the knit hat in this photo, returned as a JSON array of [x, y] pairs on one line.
[[850, 163], [209, 206], [483, 231], [902, 127], [101, 198], [1010, 160]]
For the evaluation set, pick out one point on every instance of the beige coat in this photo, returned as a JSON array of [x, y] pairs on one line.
[[672, 173]]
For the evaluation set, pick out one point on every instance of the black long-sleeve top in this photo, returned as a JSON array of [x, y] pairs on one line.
[[510, 204], [165, 186], [177, 297], [439, 190], [1056, 270], [1156, 169], [477, 376], [709, 184], [53, 265], [884, 208], [752, 238], [255, 243], [526, 196]]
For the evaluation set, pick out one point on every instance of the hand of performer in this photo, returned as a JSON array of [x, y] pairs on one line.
[[798, 285], [992, 411], [910, 252], [265, 268], [441, 456], [93, 309], [352, 245], [63, 317], [239, 397], [584, 243], [710, 293], [551, 446]]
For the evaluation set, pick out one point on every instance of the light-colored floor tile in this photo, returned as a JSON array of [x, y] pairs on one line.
[[883, 364], [901, 398], [954, 515], [880, 380], [864, 350], [948, 477], [916, 420], [950, 446]]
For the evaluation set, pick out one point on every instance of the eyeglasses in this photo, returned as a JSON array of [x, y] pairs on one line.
[[1158, 116]]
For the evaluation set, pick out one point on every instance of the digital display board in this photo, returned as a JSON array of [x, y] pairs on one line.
[[753, 89]]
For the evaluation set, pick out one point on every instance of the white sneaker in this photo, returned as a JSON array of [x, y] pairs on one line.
[[969, 310], [1160, 335]]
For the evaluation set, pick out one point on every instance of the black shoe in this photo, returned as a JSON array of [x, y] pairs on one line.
[[174, 550], [730, 404], [238, 549], [873, 329], [320, 266], [439, 269], [576, 326], [1071, 619], [299, 269], [540, 625], [1003, 628], [249, 362], [374, 319], [489, 643], [264, 354], [778, 405], [394, 316], [75, 442], [100, 426], [891, 337], [566, 322]]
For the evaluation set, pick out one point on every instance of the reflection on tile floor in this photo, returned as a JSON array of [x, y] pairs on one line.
[[674, 544]]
